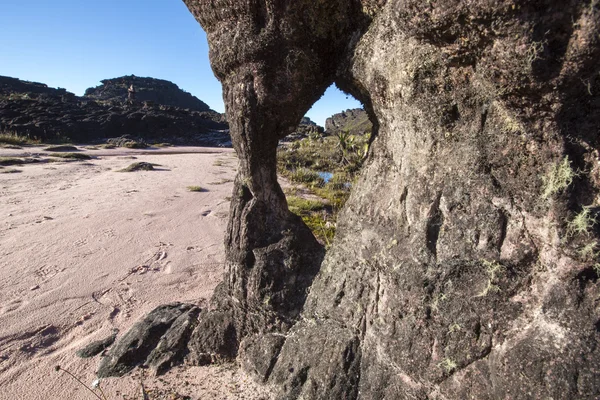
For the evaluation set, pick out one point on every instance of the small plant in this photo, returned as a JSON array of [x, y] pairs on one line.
[[582, 223], [196, 189], [448, 364], [589, 251], [559, 178], [493, 269]]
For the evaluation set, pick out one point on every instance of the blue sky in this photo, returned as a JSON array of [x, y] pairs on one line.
[[75, 43]]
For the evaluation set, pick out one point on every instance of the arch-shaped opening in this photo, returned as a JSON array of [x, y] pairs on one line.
[[319, 162]]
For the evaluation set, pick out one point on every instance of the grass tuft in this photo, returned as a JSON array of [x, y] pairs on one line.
[[71, 156], [6, 161], [11, 138], [138, 166], [61, 148], [196, 189]]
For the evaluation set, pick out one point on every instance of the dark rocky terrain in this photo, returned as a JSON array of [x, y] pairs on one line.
[[151, 90], [305, 128], [35, 110], [355, 122], [465, 264]]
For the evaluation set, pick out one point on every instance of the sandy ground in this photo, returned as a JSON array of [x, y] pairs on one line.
[[85, 249]]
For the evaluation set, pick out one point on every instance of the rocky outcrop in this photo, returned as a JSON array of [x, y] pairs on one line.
[[466, 261], [151, 90], [306, 128], [355, 122], [158, 341], [33, 109], [19, 89]]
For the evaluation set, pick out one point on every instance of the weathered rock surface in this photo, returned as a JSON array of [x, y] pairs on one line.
[[466, 261], [153, 90], [158, 341], [96, 347], [355, 122]]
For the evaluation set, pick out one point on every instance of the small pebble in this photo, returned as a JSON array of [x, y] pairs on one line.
[[34, 287]]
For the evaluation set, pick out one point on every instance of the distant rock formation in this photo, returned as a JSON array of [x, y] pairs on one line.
[[355, 121], [13, 86], [306, 128], [34, 109], [152, 90]]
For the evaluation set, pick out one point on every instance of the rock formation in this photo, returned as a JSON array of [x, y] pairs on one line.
[[355, 122], [306, 128], [466, 260], [34, 109], [153, 90]]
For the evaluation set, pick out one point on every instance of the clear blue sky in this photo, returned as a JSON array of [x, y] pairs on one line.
[[75, 43]]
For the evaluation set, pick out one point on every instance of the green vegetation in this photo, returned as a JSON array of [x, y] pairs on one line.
[[558, 178], [588, 251], [61, 148], [13, 139], [71, 156], [315, 215], [306, 162], [582, 223], [135, 145], [196, 189], [493, 270], [6, 161], [139, 166], [448, 364]]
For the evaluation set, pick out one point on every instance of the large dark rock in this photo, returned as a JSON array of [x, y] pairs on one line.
[[158, 340], [466, 261]]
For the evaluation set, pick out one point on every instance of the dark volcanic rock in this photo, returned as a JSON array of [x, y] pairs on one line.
[[96, 347], [13, 86], [355, 122], [34, 110], [156, 340], [465, 263], [172, 346], [157, 91]]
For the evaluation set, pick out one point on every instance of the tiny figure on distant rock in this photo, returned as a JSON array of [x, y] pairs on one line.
[[131, 94]]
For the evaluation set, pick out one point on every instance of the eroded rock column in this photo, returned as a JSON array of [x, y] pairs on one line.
[[275, 59]]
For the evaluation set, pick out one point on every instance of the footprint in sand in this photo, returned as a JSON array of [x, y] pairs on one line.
[[38, 339], [80, 242], [12, 305]]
